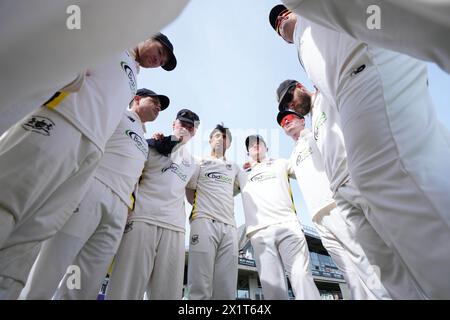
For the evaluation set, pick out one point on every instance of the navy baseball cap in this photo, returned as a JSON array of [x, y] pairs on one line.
[[283, 88], [274, 13], [188, 116], [284, 113], [172, 60], [254, 138], [149, 93]]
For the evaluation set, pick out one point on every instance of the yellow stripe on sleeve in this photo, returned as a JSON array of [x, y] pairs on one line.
[[56, 99]]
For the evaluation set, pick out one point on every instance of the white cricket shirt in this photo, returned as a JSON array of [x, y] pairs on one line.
[[214, 183], [161, 191], [266, 194], [124, 157], [327, 56], [96, 109], [307, 164], [405, 26], [330, 141]]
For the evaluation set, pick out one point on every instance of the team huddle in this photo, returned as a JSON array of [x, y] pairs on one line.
[[81, 186]]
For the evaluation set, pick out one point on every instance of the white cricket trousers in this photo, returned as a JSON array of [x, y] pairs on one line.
[[45, 166], [381, 262], [341, 243], [398, 157], [87, 241], [279, 248], [150, 259], [213, 260]]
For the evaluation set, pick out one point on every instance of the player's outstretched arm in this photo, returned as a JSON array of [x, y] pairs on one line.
[[45, 42], [418, 28]]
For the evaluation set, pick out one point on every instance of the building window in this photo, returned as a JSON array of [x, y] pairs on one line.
[[258, 294], [243, 294]]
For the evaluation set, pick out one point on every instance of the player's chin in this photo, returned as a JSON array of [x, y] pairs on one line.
[[146, 64]]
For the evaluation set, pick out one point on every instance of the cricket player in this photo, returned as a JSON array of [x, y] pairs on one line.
[[92, 235], [148, 52], [213, 246], [48, 158], [418, 28], [400, 169], [273, 227], [151, 255], [46, 43], [308, 166]]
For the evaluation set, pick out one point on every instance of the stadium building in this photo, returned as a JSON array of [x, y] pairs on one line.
[[327, 276]]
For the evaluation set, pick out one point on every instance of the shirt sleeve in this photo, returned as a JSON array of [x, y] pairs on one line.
[[53, 38], [290, 168], [236, 187], [192, 184], [405, 26]]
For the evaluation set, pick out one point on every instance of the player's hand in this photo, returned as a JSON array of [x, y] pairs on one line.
[[158, 136], [246, 165]]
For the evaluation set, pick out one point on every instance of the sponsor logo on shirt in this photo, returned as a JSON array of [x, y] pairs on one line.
[[130, 75], [186, 163], [318, 124], [175, 168], [140, 143], [194, 239], [358, 70], [263, 176], [229, 166], [303, 154], [41, 125], [205, 162], [220, 177]]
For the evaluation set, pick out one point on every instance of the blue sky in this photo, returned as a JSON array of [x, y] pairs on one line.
[[230, 62]]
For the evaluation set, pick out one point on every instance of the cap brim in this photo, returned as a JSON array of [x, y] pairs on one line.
[[274, 13], [186, 120], [165, 101], [254, 138], [282, 102], [172, 63], [284, 113]]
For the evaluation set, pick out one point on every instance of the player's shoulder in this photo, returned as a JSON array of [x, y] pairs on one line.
[[131, 117], [275, 160], [278, 162]]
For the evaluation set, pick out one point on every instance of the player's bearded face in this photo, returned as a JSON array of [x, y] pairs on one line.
[[301, 102]]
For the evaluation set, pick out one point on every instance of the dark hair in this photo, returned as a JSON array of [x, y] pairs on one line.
[[222, 129]]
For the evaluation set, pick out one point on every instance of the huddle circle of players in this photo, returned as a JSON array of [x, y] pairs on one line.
[[83, 188]]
